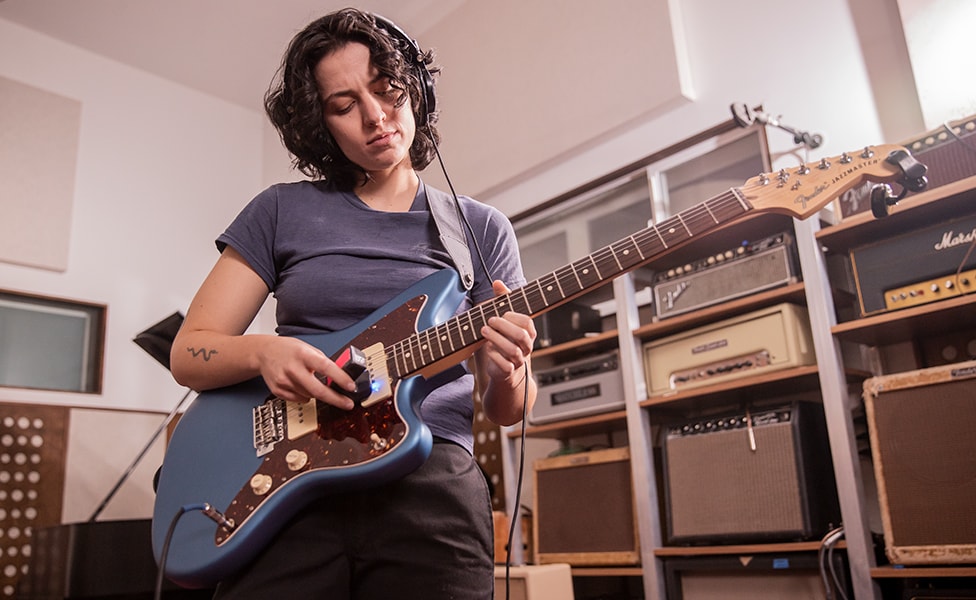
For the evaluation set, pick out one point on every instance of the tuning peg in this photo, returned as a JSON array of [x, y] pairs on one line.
[[881, 198]]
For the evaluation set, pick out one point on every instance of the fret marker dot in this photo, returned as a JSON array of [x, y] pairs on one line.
[[671, 230]]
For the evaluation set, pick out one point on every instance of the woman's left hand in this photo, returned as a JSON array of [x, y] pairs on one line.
[[510, 338]]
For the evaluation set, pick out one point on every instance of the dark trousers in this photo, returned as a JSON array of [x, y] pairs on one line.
[[428, 536]]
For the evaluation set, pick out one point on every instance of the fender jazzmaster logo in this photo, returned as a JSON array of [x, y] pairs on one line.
[[802, 199]]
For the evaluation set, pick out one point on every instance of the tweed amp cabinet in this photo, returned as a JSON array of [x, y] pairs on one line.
[[756, 475], [921, 425], [584, 509], [769, 339], [584, 387], [748, 268], [922, 266]]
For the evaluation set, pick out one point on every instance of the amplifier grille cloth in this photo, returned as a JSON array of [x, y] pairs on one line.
[[717, 484], [585, 508], [929, 463]]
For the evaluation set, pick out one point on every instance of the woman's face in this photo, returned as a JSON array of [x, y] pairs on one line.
[[361, 110]]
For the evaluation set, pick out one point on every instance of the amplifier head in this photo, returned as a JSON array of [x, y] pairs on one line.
[[584, 387], [746, 269]]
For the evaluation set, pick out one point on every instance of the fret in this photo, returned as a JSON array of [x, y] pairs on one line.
[[438, 336], [683, 224], [710, 213], [738, 196], [428, 347], [586, 273], [520, 302], [401, 357]]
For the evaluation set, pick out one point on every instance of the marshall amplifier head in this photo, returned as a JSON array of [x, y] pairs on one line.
[[916, 267], [583, 387], [733, 273]]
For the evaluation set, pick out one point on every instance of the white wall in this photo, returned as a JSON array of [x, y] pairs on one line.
[[161, 171], [801, 60]]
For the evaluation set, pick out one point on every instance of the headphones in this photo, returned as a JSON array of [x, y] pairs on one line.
[[414, 55]]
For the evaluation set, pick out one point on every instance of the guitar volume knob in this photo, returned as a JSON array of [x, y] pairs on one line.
[[296, 460], [261, 484]]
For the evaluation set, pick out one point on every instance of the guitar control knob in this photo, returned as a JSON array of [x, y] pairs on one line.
[[296, 460], [261, 484]]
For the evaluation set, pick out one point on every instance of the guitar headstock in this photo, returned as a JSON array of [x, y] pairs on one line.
[[802, 191]]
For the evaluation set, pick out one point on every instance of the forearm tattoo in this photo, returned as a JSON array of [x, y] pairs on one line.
[[206, 354]]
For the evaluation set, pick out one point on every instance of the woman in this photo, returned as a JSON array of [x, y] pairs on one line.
[[352, 104]]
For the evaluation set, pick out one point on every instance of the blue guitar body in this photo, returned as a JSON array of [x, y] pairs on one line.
[[212, 456]]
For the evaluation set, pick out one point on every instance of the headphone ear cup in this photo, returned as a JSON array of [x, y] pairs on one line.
[[415, 57]]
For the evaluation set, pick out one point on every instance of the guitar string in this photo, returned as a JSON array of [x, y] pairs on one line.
[[413, 353]]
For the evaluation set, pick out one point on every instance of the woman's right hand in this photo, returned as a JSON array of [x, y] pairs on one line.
[[296, 371]]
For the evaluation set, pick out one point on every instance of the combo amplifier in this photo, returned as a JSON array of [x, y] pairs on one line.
[[743, 270], [921, 425], [584, 509], [762, 475], [583, 387], [770, 339], [917, 267]]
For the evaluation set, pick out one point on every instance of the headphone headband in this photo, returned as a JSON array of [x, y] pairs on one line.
[[414, 56]]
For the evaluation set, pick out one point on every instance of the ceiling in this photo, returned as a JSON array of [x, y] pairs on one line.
[[226, 48]]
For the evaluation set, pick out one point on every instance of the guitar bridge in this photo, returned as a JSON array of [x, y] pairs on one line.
[[269, 424]]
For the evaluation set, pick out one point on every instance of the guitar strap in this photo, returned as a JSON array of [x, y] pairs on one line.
[[447, 217]]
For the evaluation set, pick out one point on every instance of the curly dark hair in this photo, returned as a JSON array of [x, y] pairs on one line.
[[295, 107]]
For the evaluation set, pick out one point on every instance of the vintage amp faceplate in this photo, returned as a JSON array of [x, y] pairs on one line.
[[773, 338]]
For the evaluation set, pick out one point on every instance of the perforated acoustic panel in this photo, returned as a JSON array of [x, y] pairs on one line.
[[488, 452], [32, 448]]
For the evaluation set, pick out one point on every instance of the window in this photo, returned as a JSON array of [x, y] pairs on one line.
[[51, 344]]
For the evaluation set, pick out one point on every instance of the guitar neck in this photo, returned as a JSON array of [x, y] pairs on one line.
[[460, 333]]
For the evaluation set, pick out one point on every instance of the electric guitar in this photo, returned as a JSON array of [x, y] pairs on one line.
[[241, 463]]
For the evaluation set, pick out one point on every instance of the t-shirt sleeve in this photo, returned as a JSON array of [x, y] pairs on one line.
[[252, 234], [501, 252]]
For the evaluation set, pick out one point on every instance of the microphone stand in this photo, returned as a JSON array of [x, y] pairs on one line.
[[169, 419], [745, 116]]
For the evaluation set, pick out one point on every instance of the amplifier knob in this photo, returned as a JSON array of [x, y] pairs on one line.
[[710, 260], [935, 287], [949, 284], [728, 254], [688, 269]]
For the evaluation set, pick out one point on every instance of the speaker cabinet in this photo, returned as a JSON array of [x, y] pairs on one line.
[[923, 440], [534, 582], [584, 509], [762, 475]]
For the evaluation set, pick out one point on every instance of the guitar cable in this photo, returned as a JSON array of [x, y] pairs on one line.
[[160, 577], [468, 230]]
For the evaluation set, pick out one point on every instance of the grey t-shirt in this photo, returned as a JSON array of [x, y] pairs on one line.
[[331, 261]]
